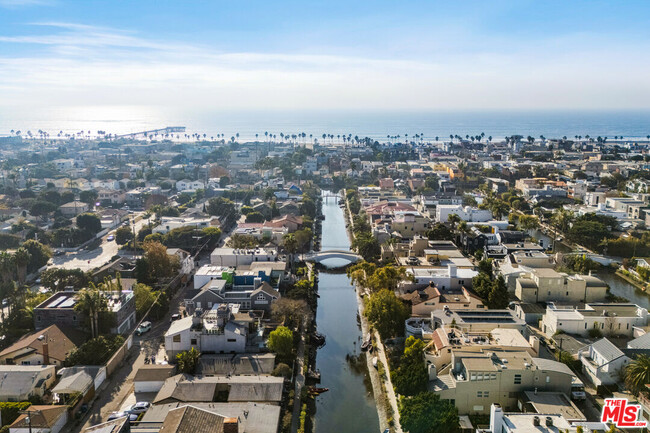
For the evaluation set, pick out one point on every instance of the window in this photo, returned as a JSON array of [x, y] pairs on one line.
[[493, 376], [627, 326], [232, 340], [479, 393], [567, 293], [486, 394], [193, 341], [176, 338], [548, 379], [479, 376], [517, 379], [602, 326], [585, 326], [261, 297], [472, 376]]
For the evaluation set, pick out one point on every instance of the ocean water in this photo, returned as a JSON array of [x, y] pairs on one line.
[[633, 125]]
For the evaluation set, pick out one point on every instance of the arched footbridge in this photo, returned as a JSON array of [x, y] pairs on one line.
[[319, 256]]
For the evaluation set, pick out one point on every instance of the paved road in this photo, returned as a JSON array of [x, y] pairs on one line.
[[87, 260], [119, 386]]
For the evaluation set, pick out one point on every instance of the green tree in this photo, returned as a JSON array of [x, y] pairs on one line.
[[387, 313], [40, 254], [90, 222], [123, 235], [439, 231], [282, 370], [281, 342], [427, 413], [498, 296], [637, 374], [188, 361], [255, 217], [528, 222], [367, 246], [42, 208], [95, 351], [411, 377], [57, 279], [89, 197], [144, 299]]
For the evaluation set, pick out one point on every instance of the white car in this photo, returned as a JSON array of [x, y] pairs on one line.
[[139, 407], [144, 327]]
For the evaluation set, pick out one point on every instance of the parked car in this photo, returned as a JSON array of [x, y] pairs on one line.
[[139, 407], [176, 317], [116, 415], [144, 327], [110, 238]]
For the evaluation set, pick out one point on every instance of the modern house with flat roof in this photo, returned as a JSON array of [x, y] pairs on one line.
[[59, 309], [609, 319]]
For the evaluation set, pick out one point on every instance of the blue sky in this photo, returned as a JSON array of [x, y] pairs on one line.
[[326, 54]]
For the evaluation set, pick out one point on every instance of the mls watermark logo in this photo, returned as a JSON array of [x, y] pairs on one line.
[[622, 414]]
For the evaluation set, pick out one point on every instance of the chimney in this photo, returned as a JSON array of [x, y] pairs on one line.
[[230, 425], [46, 353]]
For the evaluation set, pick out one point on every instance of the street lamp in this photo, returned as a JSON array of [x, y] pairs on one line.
[[28, 418]]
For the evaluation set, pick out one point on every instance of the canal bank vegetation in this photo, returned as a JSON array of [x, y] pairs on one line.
[[387, 313], [374, 277], [426, 413]]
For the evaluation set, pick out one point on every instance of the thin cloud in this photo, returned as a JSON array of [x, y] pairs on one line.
[[24, 3], [87, 64]]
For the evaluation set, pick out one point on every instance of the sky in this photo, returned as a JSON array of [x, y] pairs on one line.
[[367, 55]]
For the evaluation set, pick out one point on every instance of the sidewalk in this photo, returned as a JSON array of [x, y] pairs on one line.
[[377, 388]]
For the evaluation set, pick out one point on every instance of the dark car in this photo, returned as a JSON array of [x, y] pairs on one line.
[[176, 317]]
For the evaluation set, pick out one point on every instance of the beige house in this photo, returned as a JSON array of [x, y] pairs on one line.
[[424, 301], [473, 381], [445, 340], [542, 284]]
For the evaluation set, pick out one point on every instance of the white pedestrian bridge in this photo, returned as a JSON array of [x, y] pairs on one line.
[[319, 256]]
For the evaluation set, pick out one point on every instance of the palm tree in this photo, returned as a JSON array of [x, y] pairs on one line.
[[7, 266], [21, 259], [290, 246], [91, 301], [637, 374]]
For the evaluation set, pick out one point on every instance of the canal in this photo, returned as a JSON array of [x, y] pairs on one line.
[[618, 286], [349, 406]]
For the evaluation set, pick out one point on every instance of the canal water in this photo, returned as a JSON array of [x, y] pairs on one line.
[[349, 406]]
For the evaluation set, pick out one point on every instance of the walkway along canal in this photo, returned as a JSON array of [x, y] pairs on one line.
[[349, 406]]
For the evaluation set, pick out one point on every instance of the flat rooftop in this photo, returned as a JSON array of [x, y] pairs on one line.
[[554, 402]]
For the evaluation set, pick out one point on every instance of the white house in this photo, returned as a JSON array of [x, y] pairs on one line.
[[215, 331], [609, 319], [187, 185], [237, 257], [466, 213], [151, 377], [171, 223], [602, 362], [20, 382], [185, 259]]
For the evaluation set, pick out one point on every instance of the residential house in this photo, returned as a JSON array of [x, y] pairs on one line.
[[73, 208], [466, 213], [545, 284], [603, 362], [187, 185], [609, 319], [474, 381], [41, 419], [22, 382], [223, 256], [184, 388], [424, 301], [221, 329], [171, 223], [258, 296], [152, 377], [48, 346], [59, 309]]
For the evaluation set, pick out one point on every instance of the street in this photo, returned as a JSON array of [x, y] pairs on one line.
[[87, 260]]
